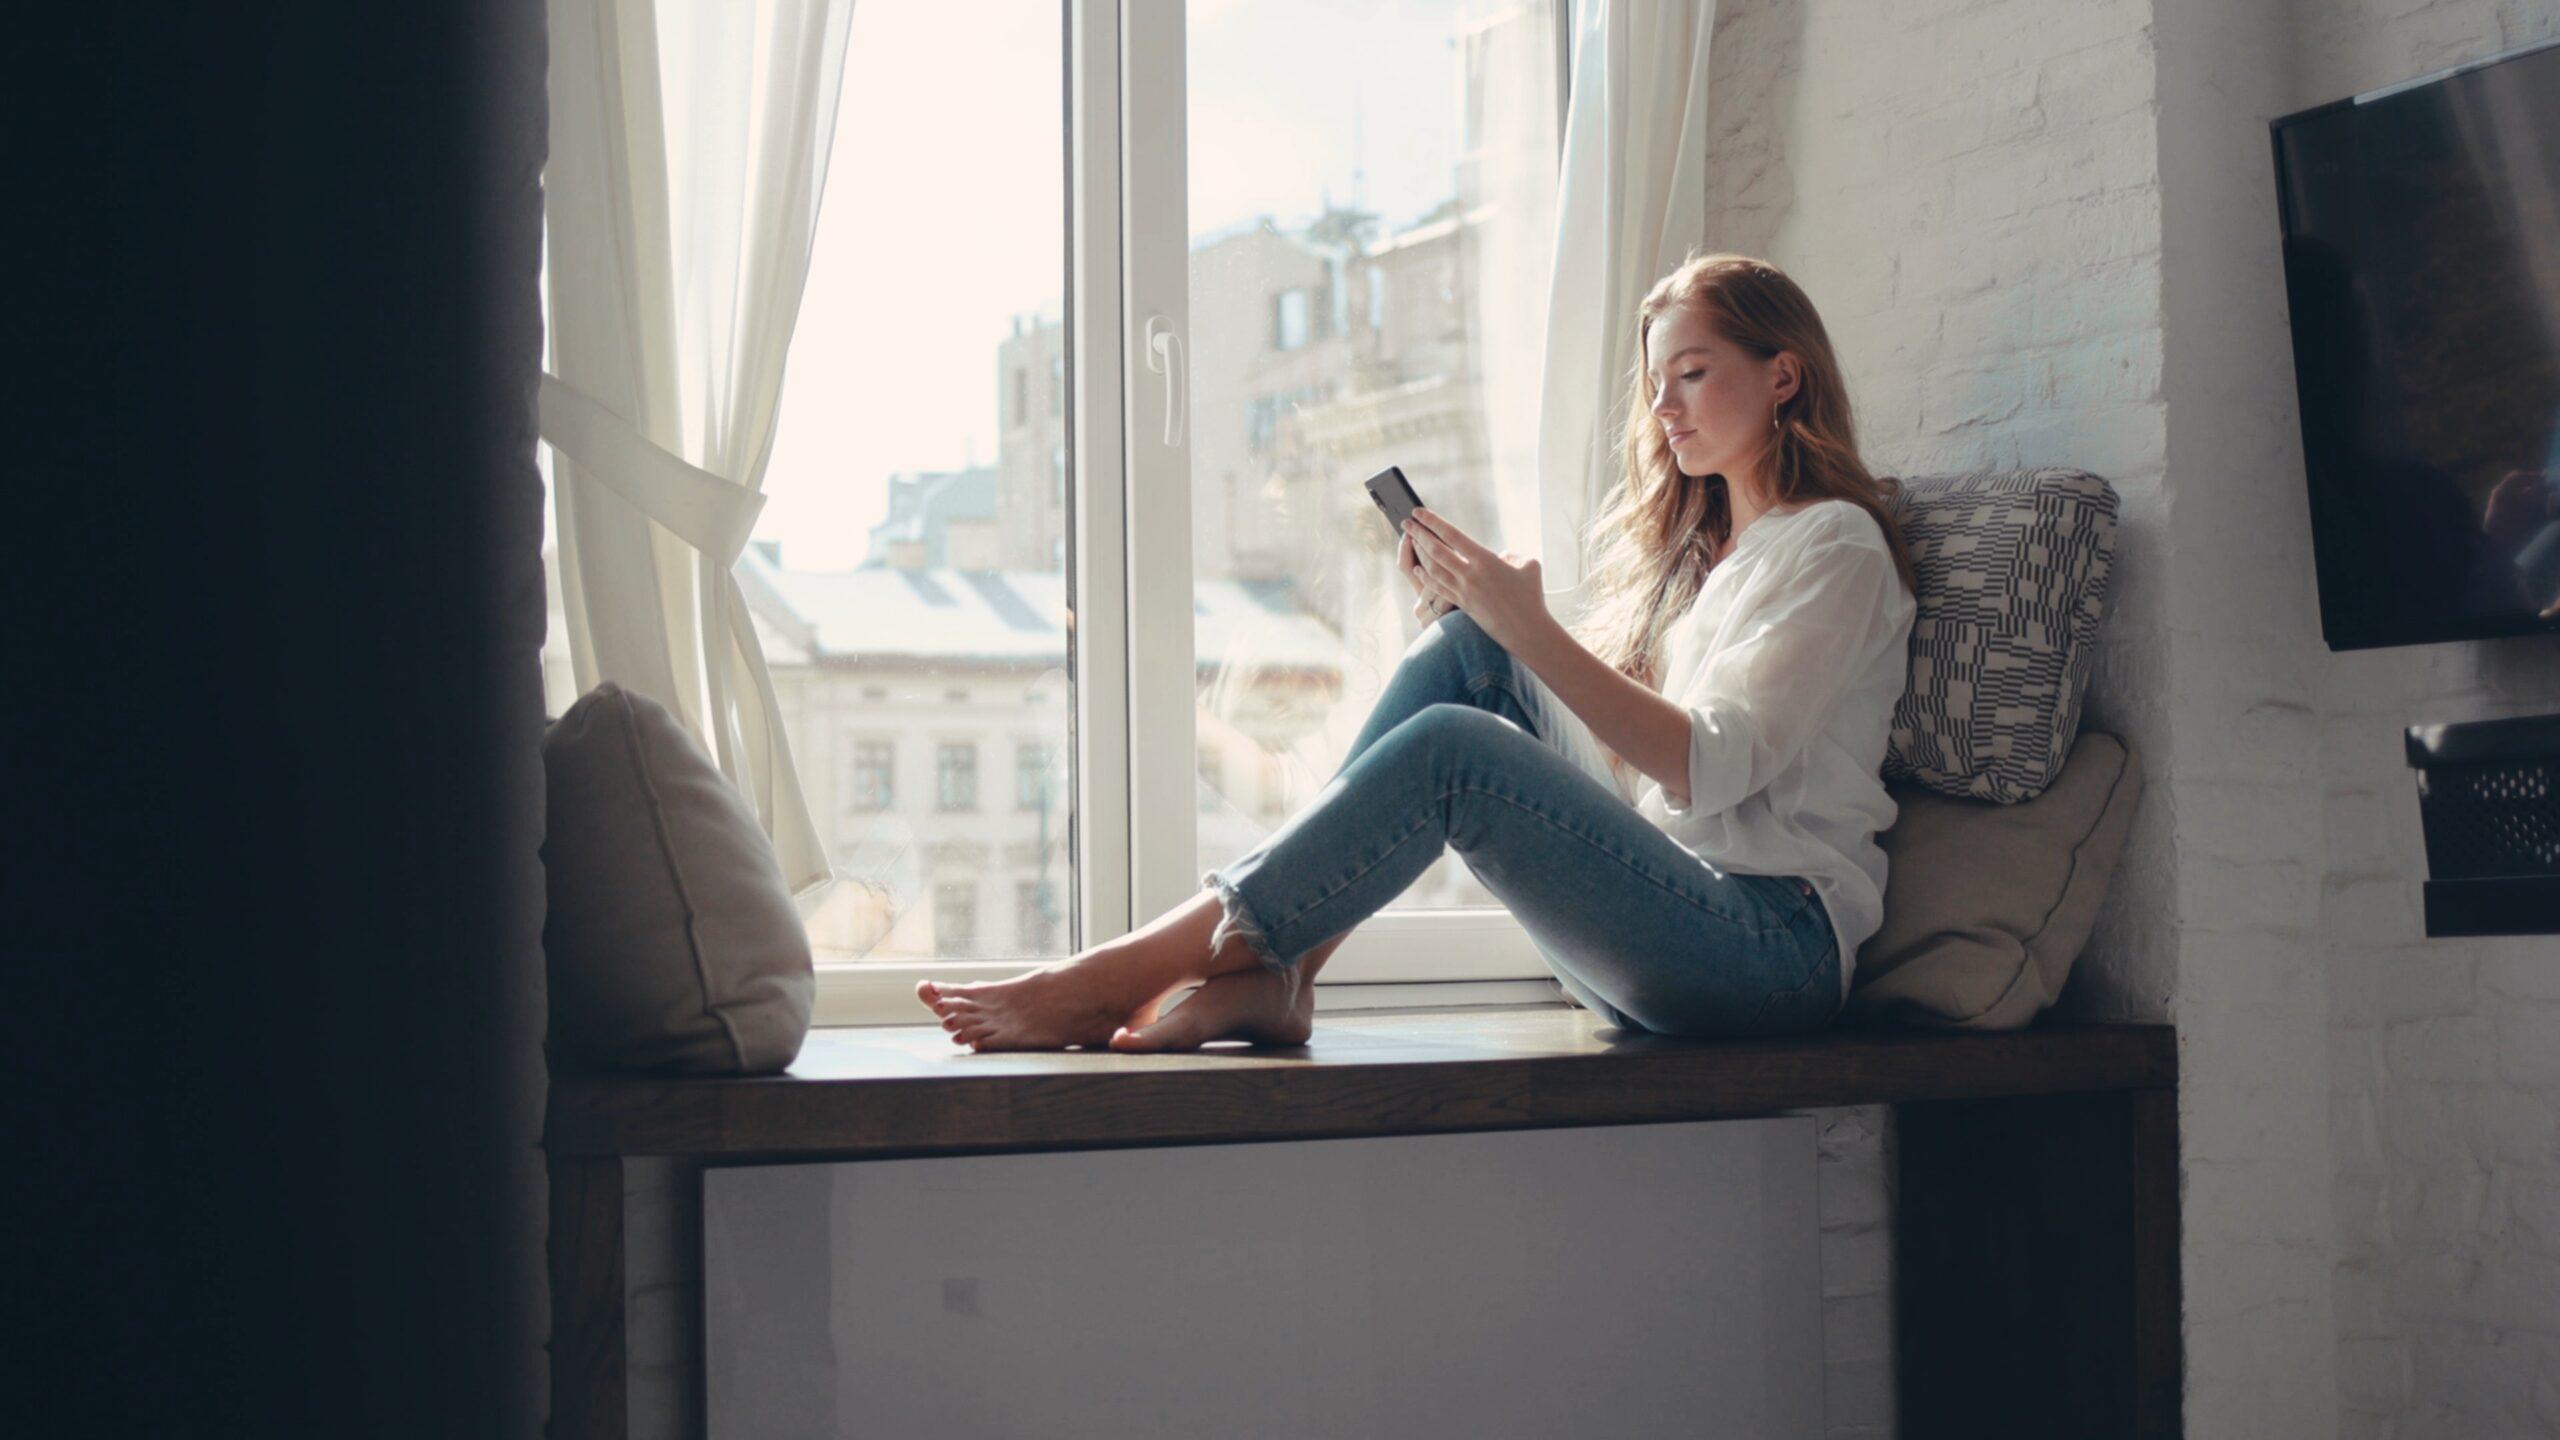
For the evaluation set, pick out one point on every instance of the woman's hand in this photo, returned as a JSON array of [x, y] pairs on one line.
[[1501, 593], [1429, 604]]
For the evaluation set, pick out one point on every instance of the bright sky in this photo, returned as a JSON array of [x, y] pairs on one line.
[[944, 211]]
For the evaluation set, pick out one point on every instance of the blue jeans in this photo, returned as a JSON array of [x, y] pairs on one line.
[[1637, 929]]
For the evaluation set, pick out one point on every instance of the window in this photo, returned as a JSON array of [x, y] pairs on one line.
[[929, 553], [955, 917], [1264, 414], [1030, 775], [955, 775], [1292, 239], [1035, 920], [875, 774], [914, 472], [1289, 320]]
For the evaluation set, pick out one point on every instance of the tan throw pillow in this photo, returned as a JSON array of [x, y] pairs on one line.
[[1986, 906], [673, 942]]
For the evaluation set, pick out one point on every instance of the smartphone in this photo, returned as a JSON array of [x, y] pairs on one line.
[[1395, 496]]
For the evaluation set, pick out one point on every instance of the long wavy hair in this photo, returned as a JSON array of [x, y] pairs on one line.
[[1654, 535]]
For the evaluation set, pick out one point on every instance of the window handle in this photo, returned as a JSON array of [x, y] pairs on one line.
[[1164, 356]]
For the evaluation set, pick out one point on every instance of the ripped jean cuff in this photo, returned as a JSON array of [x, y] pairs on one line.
[[1239, 920]]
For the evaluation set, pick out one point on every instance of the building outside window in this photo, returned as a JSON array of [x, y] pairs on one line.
[[1289, 320], [875, 772], [1030, 774], [955, 917], [955, 773], [1264, 413], [1033, 923]]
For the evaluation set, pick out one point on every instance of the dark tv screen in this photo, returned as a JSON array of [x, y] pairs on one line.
[[2422, 268]]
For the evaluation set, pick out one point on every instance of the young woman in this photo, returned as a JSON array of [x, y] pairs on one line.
[[1749, 630]]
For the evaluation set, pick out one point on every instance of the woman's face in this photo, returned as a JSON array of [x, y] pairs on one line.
[[1712, 398]]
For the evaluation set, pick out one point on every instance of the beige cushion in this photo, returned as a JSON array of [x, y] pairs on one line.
[[1986, 906], [673, 942]]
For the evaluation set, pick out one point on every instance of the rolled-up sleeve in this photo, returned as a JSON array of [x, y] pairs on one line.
[[1755, 704]]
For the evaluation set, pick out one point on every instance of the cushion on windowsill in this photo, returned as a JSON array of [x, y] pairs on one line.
[[673, 943], [1986, 905]]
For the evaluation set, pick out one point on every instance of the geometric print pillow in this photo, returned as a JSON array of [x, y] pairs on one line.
[[2011, 570]]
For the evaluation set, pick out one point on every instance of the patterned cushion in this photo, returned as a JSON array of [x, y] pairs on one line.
[[2012, 569]]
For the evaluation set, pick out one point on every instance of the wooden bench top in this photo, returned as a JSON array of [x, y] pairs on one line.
[[903, 1091]]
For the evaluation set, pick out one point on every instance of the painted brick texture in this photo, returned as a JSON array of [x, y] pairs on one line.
[[2046, 235]]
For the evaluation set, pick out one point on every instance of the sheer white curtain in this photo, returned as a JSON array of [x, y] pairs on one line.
[[689, 144], [1630, 204], [1507, 188]]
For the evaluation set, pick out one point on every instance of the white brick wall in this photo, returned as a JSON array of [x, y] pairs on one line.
[[2046, 234], [1970, 194], [2444, 1055]]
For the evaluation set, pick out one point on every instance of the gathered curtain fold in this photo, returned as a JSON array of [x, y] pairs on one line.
[[689, 147], [1630, 204]]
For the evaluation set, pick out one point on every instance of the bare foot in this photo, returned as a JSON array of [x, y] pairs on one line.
[[1266, 1007], [1080, 1001]]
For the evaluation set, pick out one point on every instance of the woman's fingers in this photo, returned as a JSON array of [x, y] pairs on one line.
[[1411, 565], [1457, 541], [1438, 577]]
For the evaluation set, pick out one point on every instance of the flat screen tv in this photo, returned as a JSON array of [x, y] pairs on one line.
[[2422, 267]]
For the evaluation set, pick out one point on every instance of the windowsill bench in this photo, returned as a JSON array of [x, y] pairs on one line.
[[2035, 1244]]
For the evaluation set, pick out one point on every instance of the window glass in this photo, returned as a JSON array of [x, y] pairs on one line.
[[955, 917], [1031, 785], [1289, 321], [916, 598], [955, 770], [875, 771], [1436, 233], [1034, 917]]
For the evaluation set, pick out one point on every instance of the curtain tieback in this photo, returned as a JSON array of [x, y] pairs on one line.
[[713, 515]]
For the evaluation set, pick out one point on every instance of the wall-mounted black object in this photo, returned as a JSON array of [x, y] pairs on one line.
[[2418, 285], [2489, 800]]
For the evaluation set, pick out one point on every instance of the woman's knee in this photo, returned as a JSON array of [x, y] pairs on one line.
[[1446, 727]]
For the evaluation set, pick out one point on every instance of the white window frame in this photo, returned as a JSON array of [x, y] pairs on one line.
[[1134, 820]]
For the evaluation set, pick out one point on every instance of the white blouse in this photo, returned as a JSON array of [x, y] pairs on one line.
[[1789, 664]]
